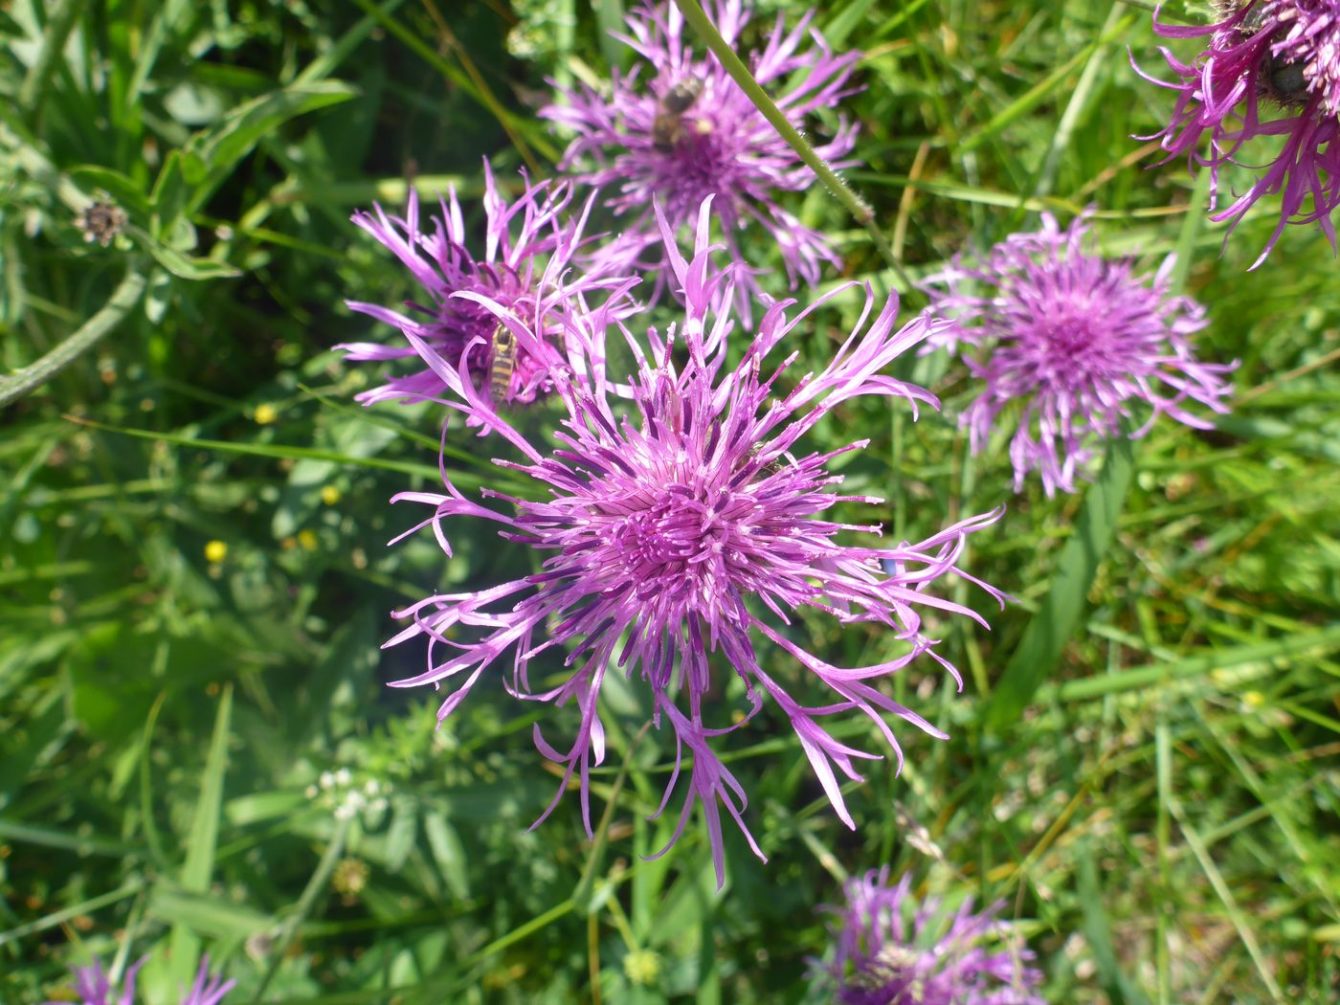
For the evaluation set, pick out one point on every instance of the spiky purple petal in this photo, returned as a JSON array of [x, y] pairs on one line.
[[523, 281], [1270, 68]]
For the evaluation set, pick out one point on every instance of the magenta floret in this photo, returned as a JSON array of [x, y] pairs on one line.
[[891, 950], [524, 280]]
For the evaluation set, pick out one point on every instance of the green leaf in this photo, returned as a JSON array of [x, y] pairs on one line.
[[1050, 629], [202, 843], [844, 22], [448, 852], [610, 18], [169, 191], [207, 915], [218, 150], [400, 835], [1098, 933], [187, 267], [1286, 648], [204, 836]]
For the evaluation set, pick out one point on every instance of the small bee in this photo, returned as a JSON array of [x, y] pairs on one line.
[[773, 467], [667, 128], [1284, 82], [502, 361]]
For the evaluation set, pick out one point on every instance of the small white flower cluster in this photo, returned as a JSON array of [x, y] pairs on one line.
[[338, 790]]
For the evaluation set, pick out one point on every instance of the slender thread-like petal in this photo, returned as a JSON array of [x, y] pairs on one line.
[[93, 986]]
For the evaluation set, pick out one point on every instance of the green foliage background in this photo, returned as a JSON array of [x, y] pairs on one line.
[[1153, 794]]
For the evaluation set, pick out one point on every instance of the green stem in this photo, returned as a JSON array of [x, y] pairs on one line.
[[122, 301], [315, 887], [858, 207]]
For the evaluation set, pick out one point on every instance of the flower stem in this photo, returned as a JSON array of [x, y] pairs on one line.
[[122, 300], [316, 885], [858, 207]]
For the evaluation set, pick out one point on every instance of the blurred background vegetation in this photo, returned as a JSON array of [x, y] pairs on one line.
[[197, 749]]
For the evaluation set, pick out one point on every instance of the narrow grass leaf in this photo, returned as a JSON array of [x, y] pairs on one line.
[[1050, 629], [1035, 95], [1098, 934], [1316, 642]]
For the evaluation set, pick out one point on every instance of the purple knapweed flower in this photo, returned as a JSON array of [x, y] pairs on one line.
[[1072, 340], [678, 128], [93, 986], [524, 275], [673, 525], [893, 951], [1270, 68]]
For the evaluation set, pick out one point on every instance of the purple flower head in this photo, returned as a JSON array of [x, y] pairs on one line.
[[93, 986], [680, 523], [892, 951], [677, 127], [507, 350], [1269, 68], [1073, 339]]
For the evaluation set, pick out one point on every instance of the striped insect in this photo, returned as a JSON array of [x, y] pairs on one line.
[[502, 362]]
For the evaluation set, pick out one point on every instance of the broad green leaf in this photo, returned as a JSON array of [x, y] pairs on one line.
[[206, 915], [124, 190], [199, 866], [202, 842]]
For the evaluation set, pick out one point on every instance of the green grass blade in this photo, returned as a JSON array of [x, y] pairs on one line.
[[1050, 629], [1037, 94], [203, 841], [1319, 641]]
